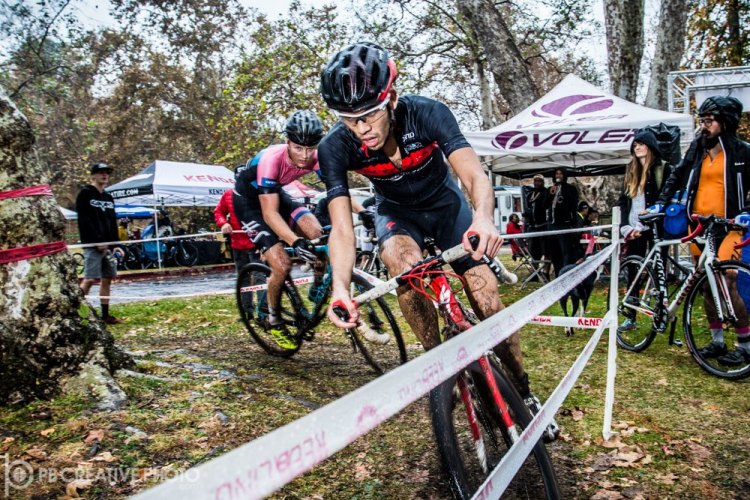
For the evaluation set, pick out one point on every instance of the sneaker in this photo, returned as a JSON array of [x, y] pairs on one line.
[[713, 350], [627, 325], [282, 337], [737, 357], [111, 320], [553, 430]]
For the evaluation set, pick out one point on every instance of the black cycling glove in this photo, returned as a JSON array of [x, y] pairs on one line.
[[305, 250]]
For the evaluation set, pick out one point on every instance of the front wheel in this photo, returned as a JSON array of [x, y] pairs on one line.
[[186, 254], [252, 302], [733, 283], [377, 319], [638, 296], [472, 440]]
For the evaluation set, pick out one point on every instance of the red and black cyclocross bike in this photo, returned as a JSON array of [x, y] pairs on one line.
[[477, 414]]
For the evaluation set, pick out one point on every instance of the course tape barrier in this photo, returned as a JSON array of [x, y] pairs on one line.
[[554, 232], [572, 322], [504, 472], [260, 467], [31, 252], [121, 243], [151, 298], [38, 190]]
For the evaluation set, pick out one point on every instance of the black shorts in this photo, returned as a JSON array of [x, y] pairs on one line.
[[251, 220], [445, 218]]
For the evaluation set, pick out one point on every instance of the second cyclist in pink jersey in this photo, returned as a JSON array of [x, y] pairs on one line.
[[269, 215]]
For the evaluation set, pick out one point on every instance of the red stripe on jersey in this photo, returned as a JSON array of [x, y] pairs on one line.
[[413, 160]]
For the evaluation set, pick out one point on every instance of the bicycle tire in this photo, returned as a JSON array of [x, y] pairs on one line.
[[643, 332], [134, 259], [186, 254], [535, 479], [378, 316], [252, 303], [695, 322]]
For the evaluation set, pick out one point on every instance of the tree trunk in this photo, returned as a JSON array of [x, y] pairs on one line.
[[45, 341], [670, 45], [485, 92], [623, 20], [512, 75]]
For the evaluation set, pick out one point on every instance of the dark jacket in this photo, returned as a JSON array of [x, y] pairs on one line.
[[651, 191], [97, 221], [537, 203], [736, 174], [565, 210]]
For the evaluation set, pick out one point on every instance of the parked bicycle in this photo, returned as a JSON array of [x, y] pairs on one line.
[[477, 414], [647, 306], [304, 299]]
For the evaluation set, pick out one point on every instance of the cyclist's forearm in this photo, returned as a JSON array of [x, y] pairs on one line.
[[342, 256]]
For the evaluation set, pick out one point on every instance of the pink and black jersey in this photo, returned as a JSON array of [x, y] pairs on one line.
[[269, 171], [426, 132]]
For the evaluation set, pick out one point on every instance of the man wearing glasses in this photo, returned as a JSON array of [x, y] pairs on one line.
[[401, 144], [267, 213], [716, 173]]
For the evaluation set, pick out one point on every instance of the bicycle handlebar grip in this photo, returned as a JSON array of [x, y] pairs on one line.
[[501, 273], [339, 309]]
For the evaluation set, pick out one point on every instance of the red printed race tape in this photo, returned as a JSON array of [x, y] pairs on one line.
[[31, 252], [40, 190]]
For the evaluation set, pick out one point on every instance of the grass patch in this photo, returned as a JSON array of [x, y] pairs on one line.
[[207, 388]]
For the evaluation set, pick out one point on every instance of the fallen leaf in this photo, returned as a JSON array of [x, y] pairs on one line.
[[647, 460], [171, 320], [8, 440], [607, 495], [613, 442], [667, 478], [47, 432], [36, 453], [105, 457], [661, 381], [620, 425], [94, 435], [71, 489], [360, 472], [577, 415]]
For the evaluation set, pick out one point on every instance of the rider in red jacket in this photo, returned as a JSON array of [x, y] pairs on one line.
[[226, 218]]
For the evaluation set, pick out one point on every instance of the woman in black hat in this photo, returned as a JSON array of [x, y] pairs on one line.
[[644, 178]]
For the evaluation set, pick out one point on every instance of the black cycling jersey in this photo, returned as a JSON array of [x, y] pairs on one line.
[[425, 130]]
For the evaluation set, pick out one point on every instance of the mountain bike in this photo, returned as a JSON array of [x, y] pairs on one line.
[[304, 299], [645, 308], [477, 414]]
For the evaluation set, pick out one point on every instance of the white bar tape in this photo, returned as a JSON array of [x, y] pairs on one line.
[[574, 322], [260, 467], [374, 281], [503, 474]]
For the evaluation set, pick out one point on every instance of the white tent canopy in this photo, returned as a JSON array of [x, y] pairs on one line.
[[172, 183], [577, 126]]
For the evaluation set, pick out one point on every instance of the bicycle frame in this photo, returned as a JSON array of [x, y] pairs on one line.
[[705, 264], [451, 310]]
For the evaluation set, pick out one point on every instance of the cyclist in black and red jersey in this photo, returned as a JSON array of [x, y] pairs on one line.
[[400, 145], [269, 215]]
